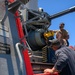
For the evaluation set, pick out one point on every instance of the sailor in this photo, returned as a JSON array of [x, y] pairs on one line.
[[65, 64], [64, 34]]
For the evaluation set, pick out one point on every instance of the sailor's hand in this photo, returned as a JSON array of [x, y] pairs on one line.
[[49, 71]]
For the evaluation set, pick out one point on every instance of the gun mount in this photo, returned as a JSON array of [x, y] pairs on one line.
[[37, 24]]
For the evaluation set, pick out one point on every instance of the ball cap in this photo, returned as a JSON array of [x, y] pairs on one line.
[[54, 42]]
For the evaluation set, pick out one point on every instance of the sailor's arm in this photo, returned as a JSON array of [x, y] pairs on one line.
[[62, 60]]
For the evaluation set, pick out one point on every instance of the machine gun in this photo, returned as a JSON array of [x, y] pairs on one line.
[[37, 24]]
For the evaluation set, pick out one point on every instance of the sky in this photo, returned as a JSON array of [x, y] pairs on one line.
[[55, 6]]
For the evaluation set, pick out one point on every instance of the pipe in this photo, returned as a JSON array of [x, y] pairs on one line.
[[20, 58]]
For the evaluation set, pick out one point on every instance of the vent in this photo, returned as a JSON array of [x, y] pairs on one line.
[[4, 48]]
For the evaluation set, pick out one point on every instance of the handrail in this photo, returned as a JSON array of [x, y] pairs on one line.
[[20, 58]]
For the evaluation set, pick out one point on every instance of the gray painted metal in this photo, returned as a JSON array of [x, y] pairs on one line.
[[22, 72], [9, 64], [6, 66], [15, 38]]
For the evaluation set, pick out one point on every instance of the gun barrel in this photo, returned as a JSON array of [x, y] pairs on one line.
[[72, 9]]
